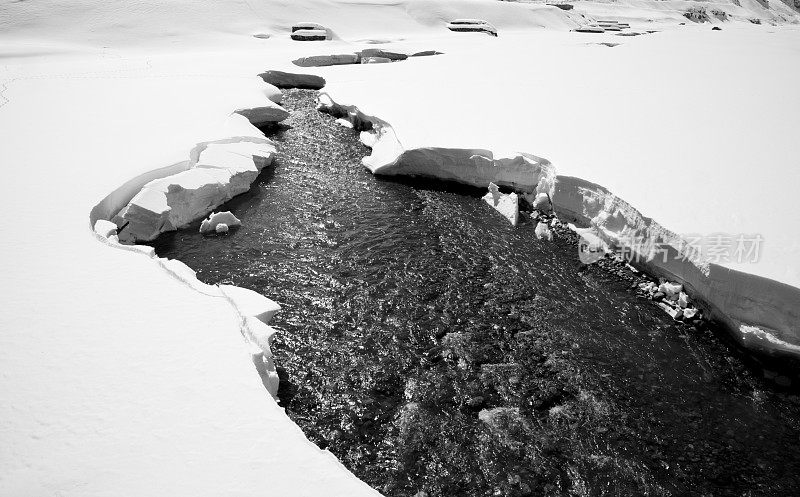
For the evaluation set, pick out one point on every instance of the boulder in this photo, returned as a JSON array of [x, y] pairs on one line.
[[284, 80], [426, 53], [326, 60], [377, 52], [257, 116]]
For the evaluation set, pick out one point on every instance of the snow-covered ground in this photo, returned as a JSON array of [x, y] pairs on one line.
[[119, 378]]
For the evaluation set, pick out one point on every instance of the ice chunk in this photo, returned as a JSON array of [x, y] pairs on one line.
[[543, 231], [310, 34], [222, 171], [671, 290], [218, 219], [505, 204]]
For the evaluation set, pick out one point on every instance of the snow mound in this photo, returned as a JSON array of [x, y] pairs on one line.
[[217, 219], [220, 172], [505, 204]]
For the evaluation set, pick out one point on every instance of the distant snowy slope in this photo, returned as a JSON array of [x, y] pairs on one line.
[[185, 23]]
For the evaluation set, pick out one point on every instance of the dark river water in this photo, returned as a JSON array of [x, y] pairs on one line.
[[436, 350]]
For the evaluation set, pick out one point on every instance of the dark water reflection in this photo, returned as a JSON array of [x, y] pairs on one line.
[[432, 347]]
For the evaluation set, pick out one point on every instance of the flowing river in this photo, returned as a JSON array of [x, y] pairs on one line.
[[436, 350]]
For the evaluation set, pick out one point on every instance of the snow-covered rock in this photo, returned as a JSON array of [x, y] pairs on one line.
[[475, 25], [266, 114], [219, 172], [671, 290], [281, 79], [543, 232], [326, 60], [375, 60], [383, 54], [542, 202], [217, 219], [310, 35], [505, 204], [426, 53]]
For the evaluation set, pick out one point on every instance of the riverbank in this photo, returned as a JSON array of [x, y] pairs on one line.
[[136, 94], [432, 347]]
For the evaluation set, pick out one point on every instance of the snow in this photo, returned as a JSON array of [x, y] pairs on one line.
[[125, 375], [507, 204], [543, 232], [221, 171], [217, 219]]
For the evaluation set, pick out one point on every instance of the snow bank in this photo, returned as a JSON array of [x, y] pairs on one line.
[[762, 313], [477, 167], [220, 171]]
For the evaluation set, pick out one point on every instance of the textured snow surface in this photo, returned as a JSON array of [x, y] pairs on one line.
[[124, 375]]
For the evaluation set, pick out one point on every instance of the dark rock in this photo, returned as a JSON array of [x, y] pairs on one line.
[[716, 28], [285, 80], [658, 296], [326, 60], [377, 52], [783, 381], [426, 53]]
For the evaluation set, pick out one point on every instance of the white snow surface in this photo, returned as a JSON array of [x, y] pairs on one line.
[[124, 375], [507, 204]]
